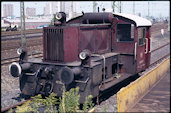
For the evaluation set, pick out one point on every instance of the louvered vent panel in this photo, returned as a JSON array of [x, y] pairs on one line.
[[53, 43]]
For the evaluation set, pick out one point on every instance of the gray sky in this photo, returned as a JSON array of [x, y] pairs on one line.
[[157, 8]]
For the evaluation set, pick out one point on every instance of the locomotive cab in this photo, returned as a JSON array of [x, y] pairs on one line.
[[93, 51], [132, 40]]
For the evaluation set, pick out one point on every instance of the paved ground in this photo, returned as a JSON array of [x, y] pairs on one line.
[[158, 99]]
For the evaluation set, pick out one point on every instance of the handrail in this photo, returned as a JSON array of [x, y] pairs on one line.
[[146, 46], [135, 51], [150, 45]]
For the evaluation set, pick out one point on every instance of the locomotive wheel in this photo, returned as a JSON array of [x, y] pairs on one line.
[[28, 84], [38, 88], [48, 88]]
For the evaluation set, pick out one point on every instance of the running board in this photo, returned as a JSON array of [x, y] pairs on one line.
[[109, 83]]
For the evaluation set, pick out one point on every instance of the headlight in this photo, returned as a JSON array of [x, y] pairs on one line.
[[19, 51], [58, 16], [82, 55], [85, 54], [85, 57]]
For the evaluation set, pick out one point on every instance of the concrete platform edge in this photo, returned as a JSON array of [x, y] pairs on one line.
[[128, 96]]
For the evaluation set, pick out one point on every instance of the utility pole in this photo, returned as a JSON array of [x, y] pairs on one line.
[[72, 6], [120, 7], [113, 6], [23, 39], [134, 7], [148, 9], [169, 20], [71, 9], [61, 6], [94, 6]]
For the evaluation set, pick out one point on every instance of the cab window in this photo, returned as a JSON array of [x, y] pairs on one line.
[[125, 32], [141, 36]]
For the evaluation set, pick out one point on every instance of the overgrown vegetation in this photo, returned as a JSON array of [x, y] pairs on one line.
[[37, 102], [69, 102]]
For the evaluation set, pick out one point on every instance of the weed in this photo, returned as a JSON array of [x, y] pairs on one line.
[[88, 104], [70, 100]]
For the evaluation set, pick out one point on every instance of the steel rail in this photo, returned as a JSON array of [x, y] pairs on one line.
[[19, 34], [160, 59], [160, 47], [6, 60], [5, 33], [14, 106], [18, 38], [8, 48]]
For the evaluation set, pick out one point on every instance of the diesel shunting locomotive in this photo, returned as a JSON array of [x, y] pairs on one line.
[[93, 51]]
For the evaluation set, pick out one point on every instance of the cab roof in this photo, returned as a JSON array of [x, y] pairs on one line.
[[138, 20]]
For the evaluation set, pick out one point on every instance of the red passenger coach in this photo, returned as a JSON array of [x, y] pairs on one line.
[[93, 51]]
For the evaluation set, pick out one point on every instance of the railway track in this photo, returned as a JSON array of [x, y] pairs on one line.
[[11, 44], [7, 61], [29, 31], [160, 51], [18, 37], [14, 106], [9, 35], [160, 47], [159, 26]]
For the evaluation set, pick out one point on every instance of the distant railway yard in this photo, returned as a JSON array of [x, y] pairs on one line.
[[160, 51]]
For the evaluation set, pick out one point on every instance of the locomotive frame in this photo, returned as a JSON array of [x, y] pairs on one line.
[[94, 51]]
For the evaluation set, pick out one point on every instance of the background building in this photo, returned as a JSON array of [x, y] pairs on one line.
[[55, 7], [7, 10], [30, 11], [51, 8], [46, 10], [70, 8]]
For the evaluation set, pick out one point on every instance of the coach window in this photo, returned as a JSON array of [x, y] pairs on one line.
[[141, 36], [125, 32]]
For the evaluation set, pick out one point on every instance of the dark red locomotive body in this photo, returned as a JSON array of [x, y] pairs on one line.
[[93, 51]]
